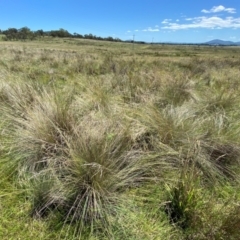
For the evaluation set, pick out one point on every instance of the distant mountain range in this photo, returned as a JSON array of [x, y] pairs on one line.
[[218, 42]]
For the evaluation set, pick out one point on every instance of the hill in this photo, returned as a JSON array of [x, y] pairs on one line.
[[222, 42]]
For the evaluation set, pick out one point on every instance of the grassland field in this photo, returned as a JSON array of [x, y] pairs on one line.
[[106, 140]]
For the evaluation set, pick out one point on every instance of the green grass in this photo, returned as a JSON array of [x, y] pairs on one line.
[[102, 141]]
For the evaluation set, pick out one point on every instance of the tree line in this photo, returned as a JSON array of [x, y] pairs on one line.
[[26, 33]]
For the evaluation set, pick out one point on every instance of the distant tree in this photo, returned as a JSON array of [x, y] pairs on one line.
[[39, 33], [60, 33], [90, 36], [110, 39], [99, 38], [77, 35], [118, 40], [63, 33], [11, 33], [53, 33], [25, 33]]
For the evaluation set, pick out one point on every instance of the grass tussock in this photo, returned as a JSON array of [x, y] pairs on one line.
[[106, 145]]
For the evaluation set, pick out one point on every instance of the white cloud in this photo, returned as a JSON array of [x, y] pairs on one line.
[[149, 29], [166, 21], [219, 8], [206, 22], [210, 22]]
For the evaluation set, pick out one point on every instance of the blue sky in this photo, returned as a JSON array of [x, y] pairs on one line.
[[148, 20]]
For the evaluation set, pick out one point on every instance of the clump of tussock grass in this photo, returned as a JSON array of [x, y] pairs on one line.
[[214, 100], [176, 91], [45, 192], [37, 138], [195, 67], [102, 167], [86, 65], [15, 100], [79, 167], [46, 129], [219, 142], [225, 166], [98, 98], [132, 87], [224, 157], [170, 125], [46, 56], [17, 97], [186, 137]]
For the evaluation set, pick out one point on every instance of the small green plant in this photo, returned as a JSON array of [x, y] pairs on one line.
[[183, 200]]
